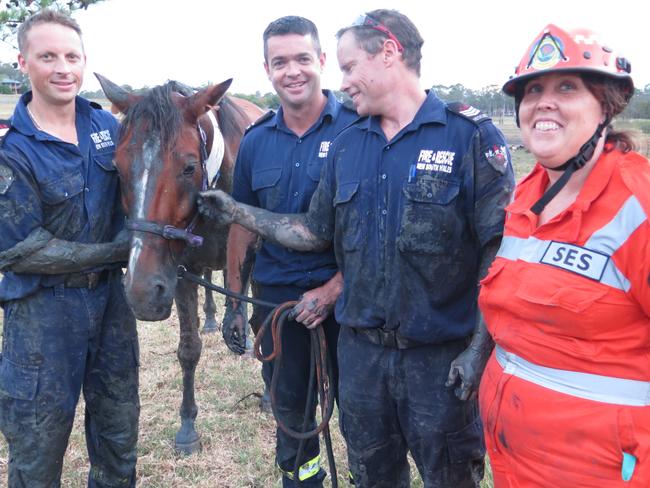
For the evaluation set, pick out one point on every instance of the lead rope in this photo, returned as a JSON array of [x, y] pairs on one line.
[[320, 370]]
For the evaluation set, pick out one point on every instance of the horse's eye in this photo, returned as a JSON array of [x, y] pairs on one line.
[[189, 169]]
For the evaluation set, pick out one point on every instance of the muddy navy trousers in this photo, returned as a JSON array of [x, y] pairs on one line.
[[293, 382], [392, 401], [56, 343]]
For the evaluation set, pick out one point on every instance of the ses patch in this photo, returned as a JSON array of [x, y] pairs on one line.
[[576, 259], [6, 178]]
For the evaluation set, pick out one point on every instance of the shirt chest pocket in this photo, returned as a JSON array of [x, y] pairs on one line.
[[348, 213], [266, 183], [313, 170], [63, 208], [430, 220], [105, 161]]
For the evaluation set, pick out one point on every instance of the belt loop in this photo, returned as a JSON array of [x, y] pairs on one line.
[[389, 338], [59, 290]]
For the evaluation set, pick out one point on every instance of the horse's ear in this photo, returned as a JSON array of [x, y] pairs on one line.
[[201, 101], [118, 96]]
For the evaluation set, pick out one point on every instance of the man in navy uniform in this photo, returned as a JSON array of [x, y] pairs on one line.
[[278, 168], [67, 327]]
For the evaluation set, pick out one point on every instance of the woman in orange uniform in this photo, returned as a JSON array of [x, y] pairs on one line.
[[565, 397]]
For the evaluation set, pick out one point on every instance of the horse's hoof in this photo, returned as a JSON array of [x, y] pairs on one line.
[[210, 326], [187, 440], [188, 449]]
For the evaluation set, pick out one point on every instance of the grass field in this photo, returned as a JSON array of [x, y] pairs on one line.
[[238, 440]]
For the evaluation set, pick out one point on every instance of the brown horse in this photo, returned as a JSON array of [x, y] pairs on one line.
[[165, 157]]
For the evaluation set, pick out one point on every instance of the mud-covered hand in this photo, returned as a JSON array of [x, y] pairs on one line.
[[317, 304], [466, 370], [217, 205], [120, 246], [234, 328]]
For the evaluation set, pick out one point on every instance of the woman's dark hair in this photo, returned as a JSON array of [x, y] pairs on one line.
[[613, 95]]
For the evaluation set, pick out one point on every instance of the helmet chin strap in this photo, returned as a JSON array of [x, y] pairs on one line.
[[585, 153]]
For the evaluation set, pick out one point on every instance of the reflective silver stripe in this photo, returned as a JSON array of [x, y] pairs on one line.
[[530, 250], [612, 236], [606, 241], [606, 389]]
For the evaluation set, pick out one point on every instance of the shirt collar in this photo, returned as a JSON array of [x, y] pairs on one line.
[[23, 123], [330, 110], [533, 186], [432, 111]]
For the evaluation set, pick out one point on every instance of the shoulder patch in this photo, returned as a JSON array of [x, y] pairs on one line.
[[263, 118], [468, 112], [95, 105], [498, 156], [6, 178]]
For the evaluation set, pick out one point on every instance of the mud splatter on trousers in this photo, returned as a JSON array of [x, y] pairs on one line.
[[393, 401], [57, 343]]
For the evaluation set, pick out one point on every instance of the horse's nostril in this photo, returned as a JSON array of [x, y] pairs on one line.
[[159, 291]]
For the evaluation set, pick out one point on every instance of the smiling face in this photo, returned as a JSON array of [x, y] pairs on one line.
[[362, 75], [294, 68], [54, 60], [558, 114]]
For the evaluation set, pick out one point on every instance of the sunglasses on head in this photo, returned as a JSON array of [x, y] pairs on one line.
[[367, 21]]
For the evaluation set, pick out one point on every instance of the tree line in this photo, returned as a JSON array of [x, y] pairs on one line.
[[489, 99]]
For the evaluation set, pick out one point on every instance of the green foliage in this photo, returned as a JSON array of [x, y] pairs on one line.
[[268, 100], [494, 102], [9, 71], [16, 11]]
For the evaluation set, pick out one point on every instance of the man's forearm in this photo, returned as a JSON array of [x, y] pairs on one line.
[[287, 230], [59, 256], [481, 340]]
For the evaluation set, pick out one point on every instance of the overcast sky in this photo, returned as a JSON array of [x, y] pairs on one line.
[[476, 43]]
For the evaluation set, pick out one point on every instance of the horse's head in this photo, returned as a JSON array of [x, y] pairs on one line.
[[161, 162]]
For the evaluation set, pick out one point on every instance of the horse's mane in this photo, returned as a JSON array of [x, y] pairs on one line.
[[163, 116], [157, 109], [232, 118]]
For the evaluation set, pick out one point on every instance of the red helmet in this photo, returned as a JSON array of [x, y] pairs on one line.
[[579, 50]]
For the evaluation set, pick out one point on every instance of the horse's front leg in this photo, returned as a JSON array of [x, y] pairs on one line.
[[187, 440], [209, 307]]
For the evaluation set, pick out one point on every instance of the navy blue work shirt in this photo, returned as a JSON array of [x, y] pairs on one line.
[[279, 171], [409, 217], [71, 191]]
